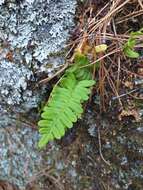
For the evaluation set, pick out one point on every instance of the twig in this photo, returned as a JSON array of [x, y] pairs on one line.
[[57, 73], [140, 3], [116, 7], [101, 58], [46, 172], [100, 149], [122, 95], [129, 16]]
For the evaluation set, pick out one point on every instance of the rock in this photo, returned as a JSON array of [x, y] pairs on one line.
[[13, 82], [29, 32], [32, 34], [18, 154]]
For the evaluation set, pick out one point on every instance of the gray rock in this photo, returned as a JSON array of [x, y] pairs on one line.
[[30, 31], [13, 81], [18, 154], [32, 34]]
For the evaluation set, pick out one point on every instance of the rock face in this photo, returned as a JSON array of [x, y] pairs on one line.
[[31, 32]]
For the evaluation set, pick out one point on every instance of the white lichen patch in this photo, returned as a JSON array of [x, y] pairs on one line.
[[1, 2], [30, 31], [13, 81]]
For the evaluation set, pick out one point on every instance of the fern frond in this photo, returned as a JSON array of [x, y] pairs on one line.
[[65, 104]]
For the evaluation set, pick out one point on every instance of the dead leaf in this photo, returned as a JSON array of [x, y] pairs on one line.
[[84, 46], [134, 113], [140, 71], [9, 56], [128, 84], [101, 48]]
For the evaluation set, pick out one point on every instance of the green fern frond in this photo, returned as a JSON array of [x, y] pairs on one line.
[[65, 104], [129, 46]]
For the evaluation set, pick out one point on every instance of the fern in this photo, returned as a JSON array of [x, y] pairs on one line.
[[129, 46], [65, 104]]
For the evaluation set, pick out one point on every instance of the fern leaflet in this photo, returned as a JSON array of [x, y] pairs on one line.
[[65, 104]]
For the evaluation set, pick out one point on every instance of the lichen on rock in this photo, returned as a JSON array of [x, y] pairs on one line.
[[30, 32], [13, 81]]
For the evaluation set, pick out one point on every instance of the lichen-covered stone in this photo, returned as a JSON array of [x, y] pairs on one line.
[[29, 32], [19, 158], [33, 33], [13, 81]]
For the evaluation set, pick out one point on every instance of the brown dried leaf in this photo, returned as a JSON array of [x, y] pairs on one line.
[[128, 84], [134, 113], [84, 46], [9, 56], [140, 71]]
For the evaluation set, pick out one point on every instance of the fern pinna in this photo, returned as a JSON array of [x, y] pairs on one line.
[[65, 103]]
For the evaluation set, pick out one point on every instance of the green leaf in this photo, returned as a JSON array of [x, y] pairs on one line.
[[129, 46], [65, 104], [75, 107], [81, 59], [44, 140], [131, 53], [61, 127], [70, 114], [87, 83], [131, 43], [69, 82], [43, 123], [56, 132]]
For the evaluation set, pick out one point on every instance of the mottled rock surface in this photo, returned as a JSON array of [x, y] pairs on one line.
[[31, 33]]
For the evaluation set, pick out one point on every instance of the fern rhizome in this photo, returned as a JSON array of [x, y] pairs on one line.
[[66, 99]]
